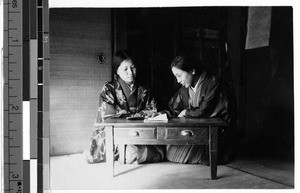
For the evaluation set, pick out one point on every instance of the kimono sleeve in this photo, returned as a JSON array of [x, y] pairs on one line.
[[175, 105], [107, 104], [207, 102], [143, 99]]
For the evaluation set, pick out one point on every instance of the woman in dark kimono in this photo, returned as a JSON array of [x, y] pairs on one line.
[[201, 96], [120, 98]]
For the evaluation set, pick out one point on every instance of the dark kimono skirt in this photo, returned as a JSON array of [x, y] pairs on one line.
[[211, 101], [117, 99]]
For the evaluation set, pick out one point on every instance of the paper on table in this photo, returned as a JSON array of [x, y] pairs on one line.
[[162, 117]]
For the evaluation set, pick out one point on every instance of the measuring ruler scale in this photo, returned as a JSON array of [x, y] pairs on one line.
[[26, 73], [13, 116]]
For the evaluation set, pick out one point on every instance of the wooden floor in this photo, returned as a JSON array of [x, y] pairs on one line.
[[73, 173]]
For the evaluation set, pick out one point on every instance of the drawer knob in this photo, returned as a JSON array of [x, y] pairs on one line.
[[134, 134], [187, 133]]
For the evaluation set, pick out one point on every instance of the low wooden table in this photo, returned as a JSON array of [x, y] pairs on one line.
[[177, 131]]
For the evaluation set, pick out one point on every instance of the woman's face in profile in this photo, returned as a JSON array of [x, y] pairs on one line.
[[184, 78], [127, 71]]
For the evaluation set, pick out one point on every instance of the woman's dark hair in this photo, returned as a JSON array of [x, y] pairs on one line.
[[186, 63], [119, 57]]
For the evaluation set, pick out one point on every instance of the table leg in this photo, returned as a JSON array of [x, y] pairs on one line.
[[122, 153], [109, 134], [213, 151]]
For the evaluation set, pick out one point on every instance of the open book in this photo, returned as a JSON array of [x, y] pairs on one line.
[[159, 118]]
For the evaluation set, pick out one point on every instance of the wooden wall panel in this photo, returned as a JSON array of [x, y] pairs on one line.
[[76, 78], [270, 91]]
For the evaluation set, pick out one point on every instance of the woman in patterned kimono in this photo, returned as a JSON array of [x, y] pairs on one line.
[[200, 96], [120, 98]]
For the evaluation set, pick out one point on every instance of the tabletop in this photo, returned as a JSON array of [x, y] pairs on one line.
[[182, 121]]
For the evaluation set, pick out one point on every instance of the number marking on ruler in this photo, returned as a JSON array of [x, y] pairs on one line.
[[12, 56]]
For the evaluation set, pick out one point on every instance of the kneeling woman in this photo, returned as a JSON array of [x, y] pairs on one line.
[[124, 96], [200, 96]]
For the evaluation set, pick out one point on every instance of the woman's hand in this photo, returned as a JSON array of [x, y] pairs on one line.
[[155, 114], [182, 113]]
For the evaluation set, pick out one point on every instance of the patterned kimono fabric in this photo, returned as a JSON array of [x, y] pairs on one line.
[[118, 99], [190, 154]]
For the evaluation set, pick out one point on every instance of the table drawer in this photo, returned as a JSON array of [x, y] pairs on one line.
[[135, 133], [187, 134]]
